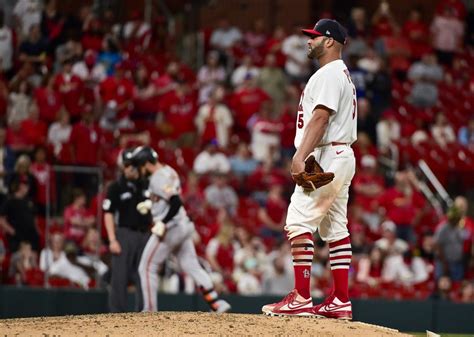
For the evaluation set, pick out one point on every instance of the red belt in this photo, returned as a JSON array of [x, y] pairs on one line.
[[332, 144]]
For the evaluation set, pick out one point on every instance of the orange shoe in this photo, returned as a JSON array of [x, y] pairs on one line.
[[292, 304]]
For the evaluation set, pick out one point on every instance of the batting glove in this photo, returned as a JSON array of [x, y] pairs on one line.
[[145, 206], [159, 229]]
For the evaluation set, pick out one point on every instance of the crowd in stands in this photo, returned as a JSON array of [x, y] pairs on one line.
[[78, 89]]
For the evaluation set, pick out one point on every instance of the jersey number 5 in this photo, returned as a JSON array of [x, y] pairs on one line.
[[300, 121]]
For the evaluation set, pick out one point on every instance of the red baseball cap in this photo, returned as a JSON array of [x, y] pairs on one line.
[[329, 28]]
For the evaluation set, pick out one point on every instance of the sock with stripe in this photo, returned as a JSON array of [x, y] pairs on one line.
[[340, 254], [211, 297], [302, 250]]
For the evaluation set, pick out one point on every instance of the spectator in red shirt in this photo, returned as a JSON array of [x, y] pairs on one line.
[[48, 99], [168, 81], [71, 89], [397, 48], [34, 128], [383, 22], [288, 121], [416, 31], [117, 93], [45, 176], [220, 251], [368, 184], [274, 46], [17, 140], [247, 101], [214, 120], [272, 216], [179, 110], [85, 141], [93, 35], [457, 6], [145, 101], [77, 218], [403, 204], [265, 176], [92, 73], [369, 269]]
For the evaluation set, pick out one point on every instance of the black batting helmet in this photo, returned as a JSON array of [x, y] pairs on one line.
[[142, 155], [126, 157]]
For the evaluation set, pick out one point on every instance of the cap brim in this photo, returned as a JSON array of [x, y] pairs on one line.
[[311, 32]]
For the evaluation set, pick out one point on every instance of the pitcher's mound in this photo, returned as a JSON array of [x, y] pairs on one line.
[[186, 323]]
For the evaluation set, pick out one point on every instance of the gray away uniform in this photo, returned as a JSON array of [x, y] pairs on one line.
[[164, 184]]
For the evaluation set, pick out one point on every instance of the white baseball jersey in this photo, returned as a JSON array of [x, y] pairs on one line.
[[332, 87], [165, 183]]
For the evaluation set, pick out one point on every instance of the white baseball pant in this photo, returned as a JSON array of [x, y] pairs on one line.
[[325, 209]]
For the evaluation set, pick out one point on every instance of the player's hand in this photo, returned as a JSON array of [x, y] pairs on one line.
[[145, 206], [297, 166], [159, 229], [115, 247]]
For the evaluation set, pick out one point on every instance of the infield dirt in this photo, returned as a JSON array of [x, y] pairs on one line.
[[186, 323]]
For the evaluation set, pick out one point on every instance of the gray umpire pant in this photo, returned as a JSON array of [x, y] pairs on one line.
[[125, 269]]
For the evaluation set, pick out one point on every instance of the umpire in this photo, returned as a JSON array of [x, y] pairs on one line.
[[127, 231]]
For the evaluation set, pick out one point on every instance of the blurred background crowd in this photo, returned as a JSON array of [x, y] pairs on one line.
[[76, 89]]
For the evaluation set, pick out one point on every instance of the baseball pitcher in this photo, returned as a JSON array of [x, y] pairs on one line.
[[172, 232], [326, 124]]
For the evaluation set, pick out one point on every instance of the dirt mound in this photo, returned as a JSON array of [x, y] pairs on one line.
[[186, 323]]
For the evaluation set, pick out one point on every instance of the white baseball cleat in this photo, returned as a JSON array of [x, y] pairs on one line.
[[292, 305], [332, 307], [222, 306]]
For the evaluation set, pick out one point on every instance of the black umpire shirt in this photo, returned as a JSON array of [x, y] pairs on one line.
[[122, 198]]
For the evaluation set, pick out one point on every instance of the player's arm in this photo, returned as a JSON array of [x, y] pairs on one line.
[[160, 226], [109, 207], [312, 136], [175, 204]]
